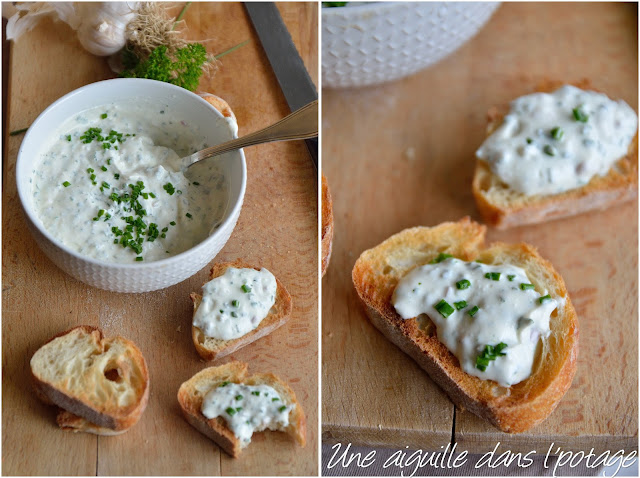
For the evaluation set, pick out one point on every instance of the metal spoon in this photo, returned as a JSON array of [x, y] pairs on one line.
[[301, 124]]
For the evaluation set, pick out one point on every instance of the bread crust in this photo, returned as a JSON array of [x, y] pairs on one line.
[[192, 392], [511, 409], [218, 103], [327, 225], [618, 186], [212, 349], [83, 413]]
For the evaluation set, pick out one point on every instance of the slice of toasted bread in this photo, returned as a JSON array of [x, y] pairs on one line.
[[327, 225], [511, 409], [503, 207], [102, 384], [192, 392], [211, 348], [218, 103]]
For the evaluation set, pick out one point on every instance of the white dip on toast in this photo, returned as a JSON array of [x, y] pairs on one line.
[[550, 143], [489, 316], [235, 303], [247, 408]]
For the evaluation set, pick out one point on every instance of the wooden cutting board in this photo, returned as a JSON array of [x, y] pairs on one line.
[[401, 155], [277, 229]]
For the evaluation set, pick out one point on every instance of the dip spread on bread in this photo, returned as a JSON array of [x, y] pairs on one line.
[[109, 184], [247, 408], [489, 316], [235, 303], [549, 143]]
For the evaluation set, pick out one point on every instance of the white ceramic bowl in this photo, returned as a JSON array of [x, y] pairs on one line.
[[142, 276], [372, 43]]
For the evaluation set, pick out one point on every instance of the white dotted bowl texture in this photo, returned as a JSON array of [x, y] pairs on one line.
[[369, 43], [139, 276]]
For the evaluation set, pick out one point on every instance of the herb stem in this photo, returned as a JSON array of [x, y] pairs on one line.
[[231, 50], [18, 131], [180, 15]]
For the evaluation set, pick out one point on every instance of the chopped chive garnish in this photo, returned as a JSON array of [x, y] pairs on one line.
[[109, 161], [66, 184], [441, 257], [90, 170], [511, 277], [473, 311], [239, 397], [103, 115], [105, 185], [68, 137], [165, 229], [173, 223], [529, 141], [463, 284], [549, 150], [527, 286], [460, 305], [282, 408], [179, 192], [234, 315], [557, 133], [444, 308], [231, 411], [169, 188], [489, 353], [255, 393], [234, 303], [580, 115], [104, 168], [246, 289], [152, 195], [493, 275], [544, 298], [116, 176], [188, 215], [239, 409], [196, 183], [101, 213], [275, 399], [139, 258], [223, 384]]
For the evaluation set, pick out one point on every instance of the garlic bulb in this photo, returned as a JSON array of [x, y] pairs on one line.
[[103, 28]]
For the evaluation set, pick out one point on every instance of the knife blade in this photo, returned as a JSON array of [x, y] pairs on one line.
[[292, 76]]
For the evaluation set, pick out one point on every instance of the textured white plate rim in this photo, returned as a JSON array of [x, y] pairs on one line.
[[143, 265]]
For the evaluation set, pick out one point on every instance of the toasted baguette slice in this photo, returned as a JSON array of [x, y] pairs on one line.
[[210, 348], [192, 392], [327, 225], [102, 384], [218, 103], [511, 409], [503, 207]]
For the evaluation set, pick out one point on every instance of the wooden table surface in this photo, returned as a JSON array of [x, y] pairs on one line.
[[401, 155], [277, 229]]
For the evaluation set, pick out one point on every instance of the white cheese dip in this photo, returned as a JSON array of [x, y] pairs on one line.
[[235, 303], [109, 184], [490, 317], [549, 143], [247, 408]]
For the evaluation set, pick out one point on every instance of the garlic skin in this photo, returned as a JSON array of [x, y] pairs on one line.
[[103, 28]]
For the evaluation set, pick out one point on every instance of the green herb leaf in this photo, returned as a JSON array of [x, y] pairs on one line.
[[66, 184], [473, 311], [527, 286], [549, 150], [493, 275], [557, 133], [231, 411], [489, 353], [444, 308], [245, 288], [544, 298], [441, 257], [580, 115], [460, 305], [463, 284]]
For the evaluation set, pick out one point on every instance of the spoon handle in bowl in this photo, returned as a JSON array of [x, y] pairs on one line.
[[301, 124]]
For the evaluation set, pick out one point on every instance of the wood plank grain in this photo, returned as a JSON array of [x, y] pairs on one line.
[[401, 154], [276, 229]]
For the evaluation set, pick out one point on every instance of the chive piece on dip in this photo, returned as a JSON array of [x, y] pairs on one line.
[[444, 308], [66, 184], [463, 284]]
